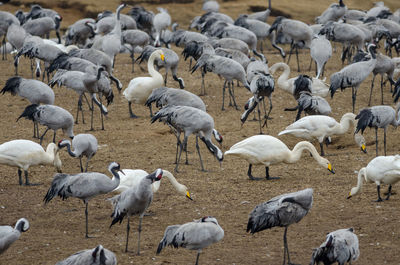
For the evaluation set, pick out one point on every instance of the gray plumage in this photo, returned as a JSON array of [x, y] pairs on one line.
[[353, 75], [134, 38], [210, 6], [6, 19], [377, 117], [181, 37], [79, 32], [165, 96], [9, 235], [261, 86], [311, 104], [320, 52], [194, 235], [84, 186], [261, 15], [170, 63], [95, 256], [134, 201], [98, 58], [230, 43], [143, 18], [340, 246], [233, 54], [53, 117], [225, 67], [161, 21], [106, 23], [83, 145], [189, 120], [200, 21], [81, 83], [40, 27], [34, 91], [282, 210], [256, 67], [332, 13]]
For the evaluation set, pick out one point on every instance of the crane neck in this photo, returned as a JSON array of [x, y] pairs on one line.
[[295, 154], [70, 152]]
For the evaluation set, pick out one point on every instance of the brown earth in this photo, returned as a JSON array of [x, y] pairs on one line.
[[57, 230]]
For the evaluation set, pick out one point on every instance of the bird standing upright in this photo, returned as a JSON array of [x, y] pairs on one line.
[[282, 210]]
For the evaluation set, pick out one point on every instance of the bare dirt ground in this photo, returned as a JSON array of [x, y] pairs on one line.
[[57, 230]]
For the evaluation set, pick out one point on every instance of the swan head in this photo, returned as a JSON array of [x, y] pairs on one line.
[[158, 54], [353, 192], [22, 225], [184, 190], [325, 163], [360, 141]]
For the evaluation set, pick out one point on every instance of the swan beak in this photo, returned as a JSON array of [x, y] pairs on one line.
[[348, 197], [363, 148], [330, 168], [188, 196], [162, 57], [122, 172]]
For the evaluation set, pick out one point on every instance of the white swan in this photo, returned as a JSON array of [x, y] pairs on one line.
[[25, 153], [267, 150], [320, 127], [140, 88], [133, 177], [318, 87], [381, 170]]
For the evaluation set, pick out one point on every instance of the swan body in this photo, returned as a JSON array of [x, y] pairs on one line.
[[267, 150], [381, 170], [133, 177], [318, 87], [25, 153], [320, 127], [140, 88]]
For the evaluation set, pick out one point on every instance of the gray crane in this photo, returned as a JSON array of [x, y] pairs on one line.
[[84, 186], [38, 12], [41, 27], [143, 18], [161, 21], [135, 37], [234, 54], [200, 21], [377, 117], [107, 19], [82, 83], [134, 201], [230, 43], [170, 62], [16, 36], [298, 31], [9, 235], [311, 105], [53, 117], [340, 246], [321, 52], [194, 235], [6, 19], [282, 210], [225, 67], [98, 58], [83, 144], [261, 15], [261, 86], [353, 75], [256, 67], [36, 92], [332, 13], [210, 6], [79, 32], [95, 256], [190, 120]]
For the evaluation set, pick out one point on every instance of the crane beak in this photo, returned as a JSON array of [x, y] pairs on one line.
[[162, 57], [188, 196], [122, 172], [363, 148], [330, 168]]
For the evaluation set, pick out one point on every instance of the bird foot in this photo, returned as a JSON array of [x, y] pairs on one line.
[[272, 178], [32, 184], [87, 236], [253, 178], [134, 116], [378, 200], [392, 193]]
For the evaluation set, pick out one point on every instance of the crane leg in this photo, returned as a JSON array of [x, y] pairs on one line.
[[297, 57], [378, 189], [87, 101], [91, 120], [223, 95], [286, 249], [54, 137], [80, 163], [259, 117], [198, 151], [180, 153], [232, 94], [87, 220], [389, 192], [376, 140], [41, 137], [250, 175], [381, 89], [370, 93], [166, 75], [34, 130], [309, 68], [353, 97], [133, 61], [384, 140], [128, 227], [290, 53], [197, 258], [87, 163], [133, 116], [101, 112], [19, 176], [139, 230], [266, 116]]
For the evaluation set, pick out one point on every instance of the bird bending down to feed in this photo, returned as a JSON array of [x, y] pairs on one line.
[[84, 145], [25, 153], [321, 127], [378, 117], [282, 210], [194, 235], [84, 186], [9, 235], [311, 104], [190, 120], [140, 88], [381, 170], [267, 150], [134, 201], [98, 255], [340, 246], [132, 177]]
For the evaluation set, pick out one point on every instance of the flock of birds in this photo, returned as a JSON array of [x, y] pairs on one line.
[[83, 60]]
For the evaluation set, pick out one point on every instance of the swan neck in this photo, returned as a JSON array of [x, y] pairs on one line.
[[295, 154], [346, 121], [150, 66], [362, 173], [172, 179]]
